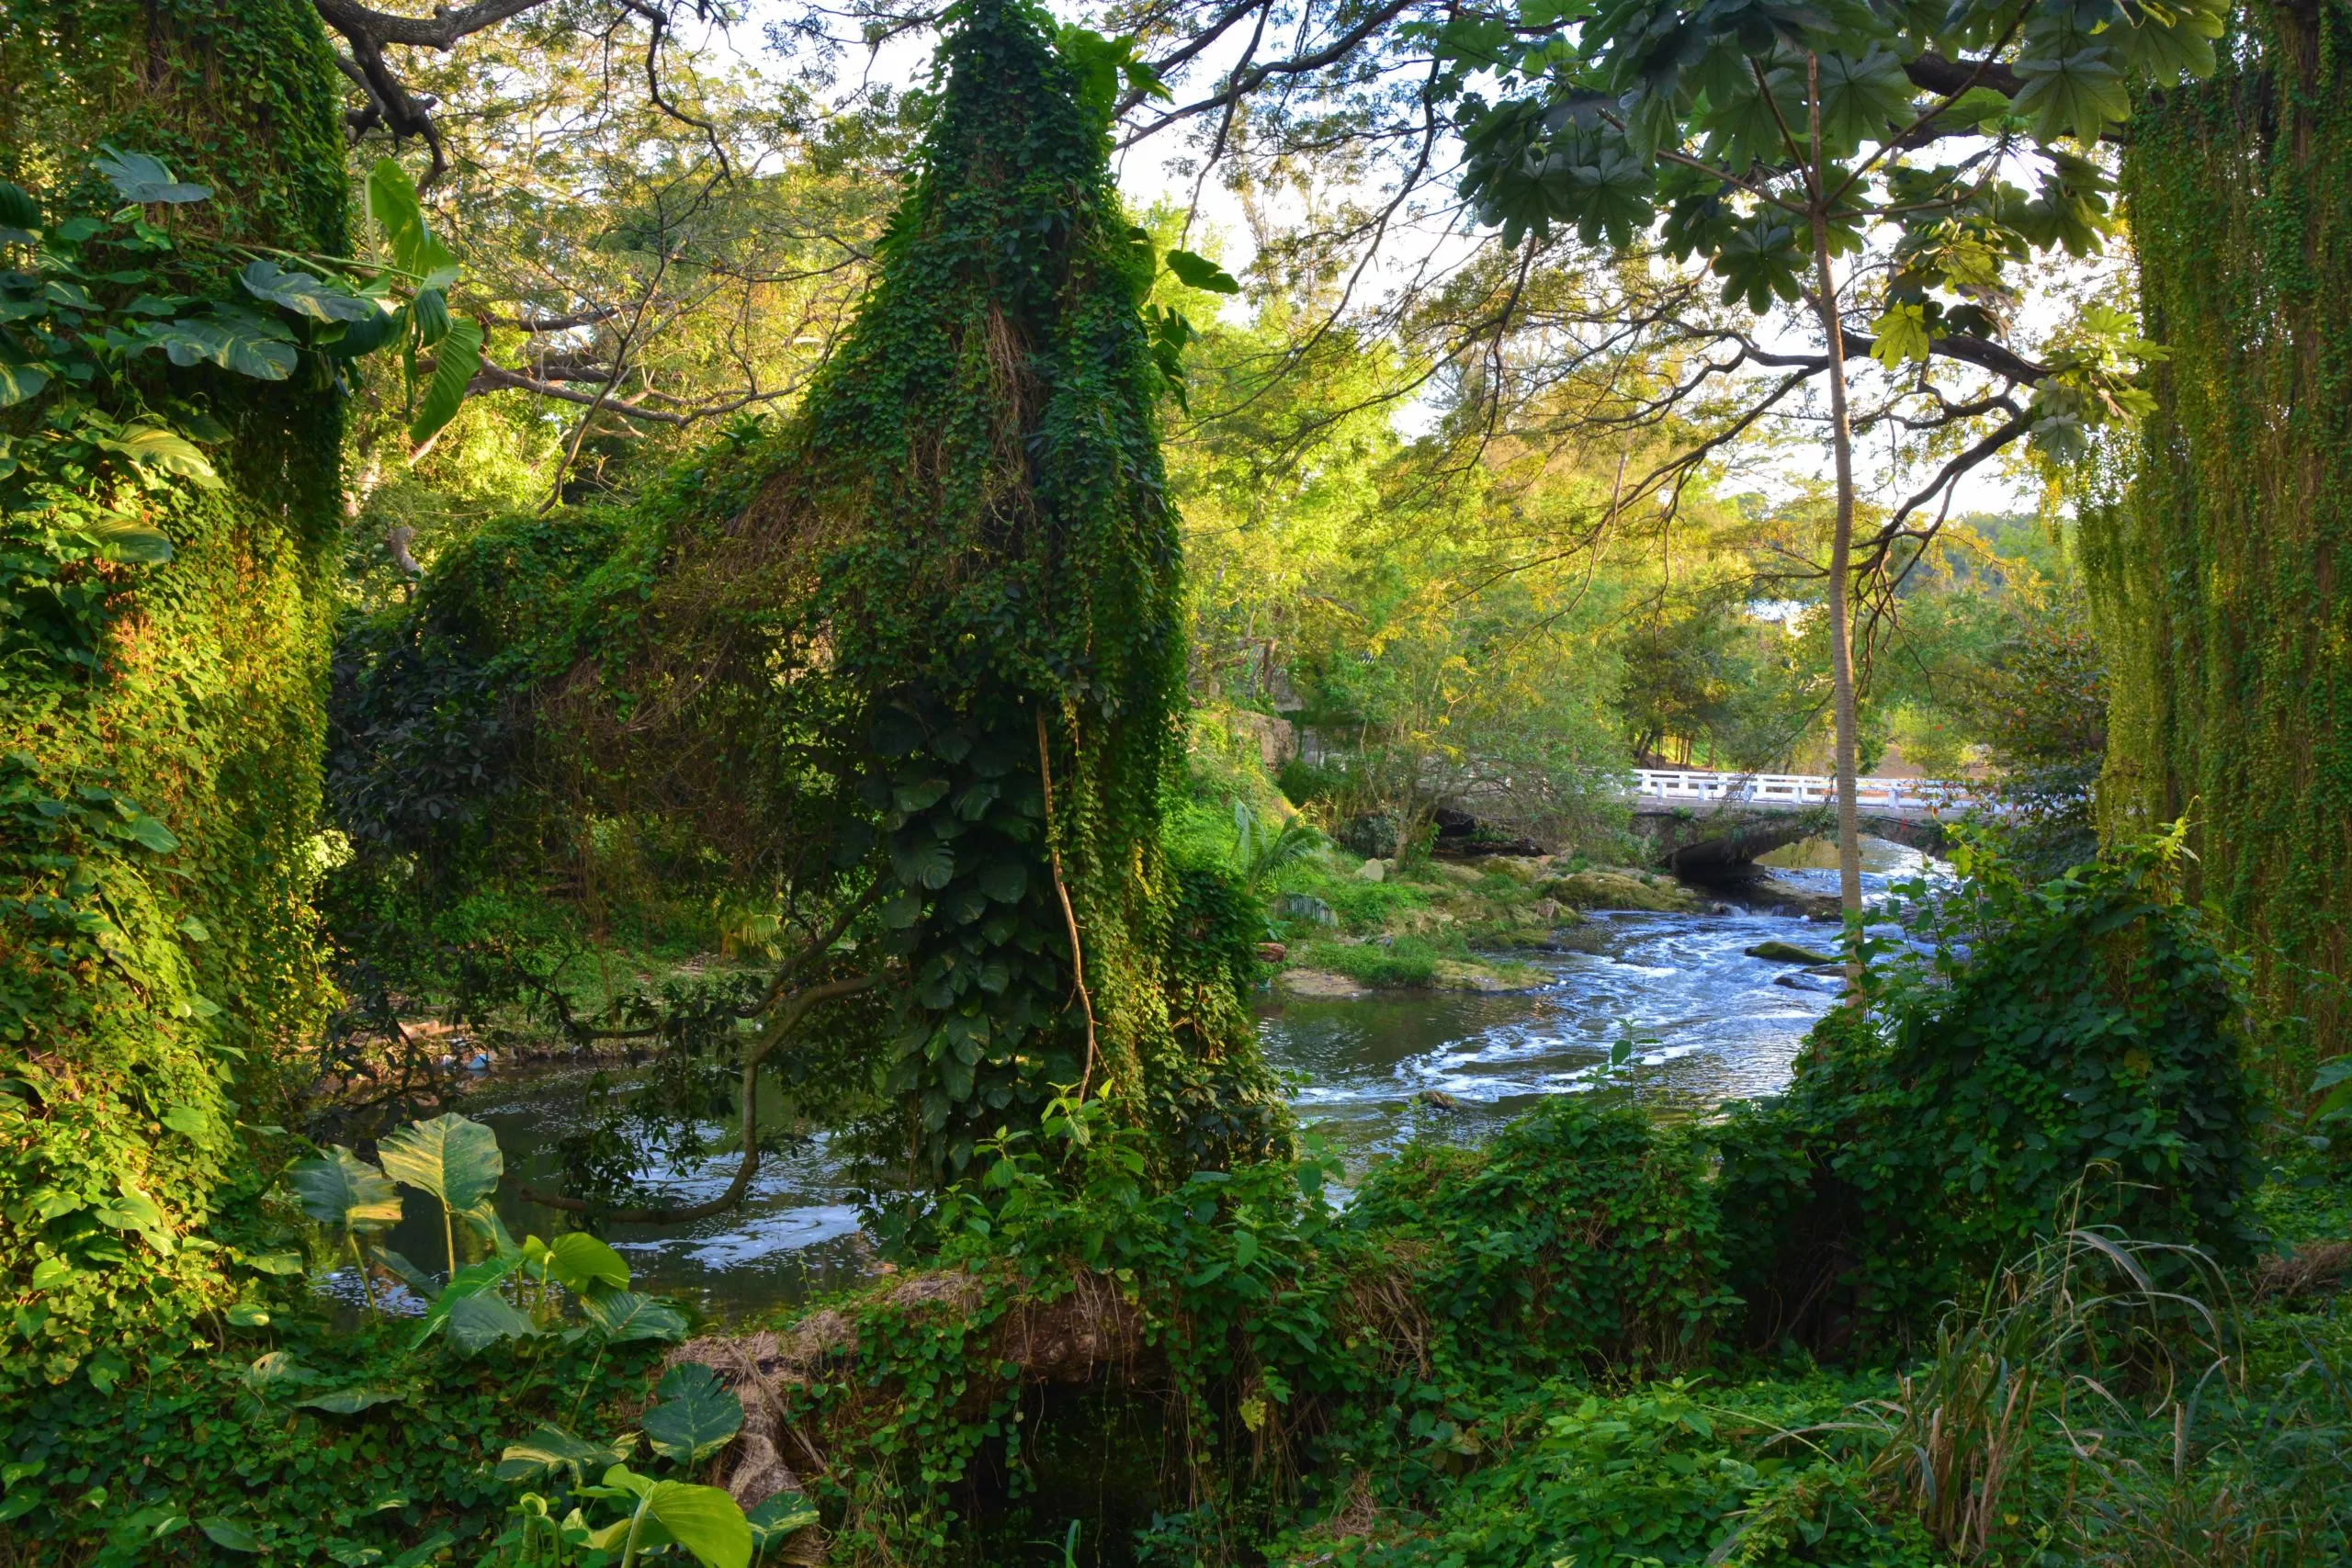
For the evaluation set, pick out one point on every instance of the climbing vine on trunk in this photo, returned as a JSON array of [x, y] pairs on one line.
[[2220, 581]]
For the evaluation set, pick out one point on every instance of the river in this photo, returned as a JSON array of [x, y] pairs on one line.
[[1707, 1025]]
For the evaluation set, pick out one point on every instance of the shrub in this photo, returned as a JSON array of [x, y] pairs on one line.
[[2068, 1052], [1582, 1233]]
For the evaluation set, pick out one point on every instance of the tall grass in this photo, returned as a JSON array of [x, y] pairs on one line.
[[2082, 1407]]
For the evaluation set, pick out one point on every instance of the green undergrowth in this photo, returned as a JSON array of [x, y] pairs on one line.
[[227, 1442], [1416, 963]]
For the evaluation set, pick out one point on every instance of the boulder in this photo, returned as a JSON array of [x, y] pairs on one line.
[[1787, 952]]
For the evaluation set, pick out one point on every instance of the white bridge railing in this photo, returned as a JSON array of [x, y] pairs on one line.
[[1697, 787]]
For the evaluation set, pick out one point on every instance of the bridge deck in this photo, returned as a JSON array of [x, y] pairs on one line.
[[1796, 791]]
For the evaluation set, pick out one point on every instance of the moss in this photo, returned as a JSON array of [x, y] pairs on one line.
[[130, 1057]]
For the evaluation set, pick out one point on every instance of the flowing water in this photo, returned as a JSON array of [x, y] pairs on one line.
[[1706, 1024]]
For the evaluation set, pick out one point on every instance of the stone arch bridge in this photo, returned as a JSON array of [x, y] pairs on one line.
[[1697, 821]]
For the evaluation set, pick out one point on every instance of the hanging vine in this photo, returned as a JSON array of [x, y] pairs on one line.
[[2221, 582]]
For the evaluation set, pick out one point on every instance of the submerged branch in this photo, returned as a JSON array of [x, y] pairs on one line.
[[772, 1035]]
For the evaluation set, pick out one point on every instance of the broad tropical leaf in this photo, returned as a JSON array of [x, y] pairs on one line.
[[581, 1263], [305, 295], [784, 1514], [483, 1319], [21, 382], [1199, 272], [468, 1282], [454, 1158], [127, 539], [234, 340], [624, 1316], [339, 1188], [167, 451], [458, 358], [348, 1401], [138, 177], [703, 1519], [697, 1416], [551, 1452], [400, 217]]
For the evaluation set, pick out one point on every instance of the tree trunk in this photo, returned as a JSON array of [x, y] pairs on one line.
[[1841, 543], [2220, 584]]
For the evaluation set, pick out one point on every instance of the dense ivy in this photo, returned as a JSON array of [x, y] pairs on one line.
[[2069, 1054], [2223, 605], [160, 791]]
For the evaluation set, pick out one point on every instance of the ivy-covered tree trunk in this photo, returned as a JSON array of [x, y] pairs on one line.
[[2224, 578], [161, 707]]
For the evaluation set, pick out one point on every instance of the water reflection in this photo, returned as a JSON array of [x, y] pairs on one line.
[[1710, 1023]]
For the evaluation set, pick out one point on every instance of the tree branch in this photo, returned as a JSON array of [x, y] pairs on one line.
[[777, 1029]]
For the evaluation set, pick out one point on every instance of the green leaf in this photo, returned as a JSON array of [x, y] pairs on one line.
[[458, 358], [697, 1415], [349, 1401], [21, 382], [17, 209], [1758, 264], [166, 451], [785, 1514], [483, 1319], [1975, 106], [703, 1519], [232, 339], [1199, 272], [430, 312], [1005, 881], [339, 1188], [1861, 97], [918, 795], [190, 1123], [2078, 94], [468, 1282], [581, 1262], [248, 1315], [921, 862], [1902, 334], [400, 219], [130, 541], [551, 1452], [228, 1535], [275, 1373], [624, 1316], [138, 177], [452, 1157], [304, 295]]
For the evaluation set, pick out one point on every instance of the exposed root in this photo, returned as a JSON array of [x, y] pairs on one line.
[[2316, 1267], [1076, 1338]]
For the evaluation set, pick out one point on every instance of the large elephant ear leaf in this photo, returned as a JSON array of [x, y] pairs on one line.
[[703, 1519], [582, 1263], [340, 1189], [484, 1318], [697, 1415], [624, 1316], [454, 1158], [552, 1453]]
